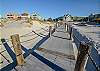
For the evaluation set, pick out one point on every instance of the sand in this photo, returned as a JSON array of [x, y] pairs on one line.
[[24, 30]]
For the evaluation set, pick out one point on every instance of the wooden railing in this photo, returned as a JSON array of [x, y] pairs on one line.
[[84, 49]]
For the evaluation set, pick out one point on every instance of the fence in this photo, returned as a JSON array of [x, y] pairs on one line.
[[5, 41], [92, 60]]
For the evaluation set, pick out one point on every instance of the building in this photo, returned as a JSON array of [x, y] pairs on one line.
[[67, 18], [94, 18], [11, 16], [36, 16], [25, 16], [97, 18], [18, 17]]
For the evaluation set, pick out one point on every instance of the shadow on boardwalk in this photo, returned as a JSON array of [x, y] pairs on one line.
[[12, 65], [61, 37], [62, 55]]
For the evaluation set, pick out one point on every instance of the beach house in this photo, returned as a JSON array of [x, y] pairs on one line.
[[11, 16], [67, 18], [25, 16]]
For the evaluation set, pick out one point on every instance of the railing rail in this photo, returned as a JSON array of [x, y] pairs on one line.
[[25, 35], [88, 43]]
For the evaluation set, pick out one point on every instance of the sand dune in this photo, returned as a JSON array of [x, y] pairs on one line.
[[24, 30]]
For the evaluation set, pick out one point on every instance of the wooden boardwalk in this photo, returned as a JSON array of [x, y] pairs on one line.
[[53, 53], [59, 49]]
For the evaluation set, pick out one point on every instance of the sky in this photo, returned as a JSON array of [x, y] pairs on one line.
[[51, 8]]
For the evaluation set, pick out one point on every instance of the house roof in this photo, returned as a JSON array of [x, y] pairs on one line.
[[25, 14]]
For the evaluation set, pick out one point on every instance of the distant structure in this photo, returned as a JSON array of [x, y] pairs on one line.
[[67, 18], [11, 16], [64, 19], [18, 17], [36, 16], [25, 16], [80, 18], [94, 18]]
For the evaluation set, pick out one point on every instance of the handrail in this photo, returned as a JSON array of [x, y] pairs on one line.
[[25, 35], [29, 39], [94, 63], [88, 43]]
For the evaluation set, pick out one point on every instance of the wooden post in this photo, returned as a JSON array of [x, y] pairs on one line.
[[70, 33], [53, 30], [67, 27], [17, 48], [56, 25], [82, 53], [50, 30]]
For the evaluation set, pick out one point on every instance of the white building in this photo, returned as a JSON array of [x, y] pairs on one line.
[[67, 18], [25, 16], [36, 16]]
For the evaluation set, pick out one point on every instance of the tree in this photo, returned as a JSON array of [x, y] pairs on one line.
[[44, 19], [75, 18]]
